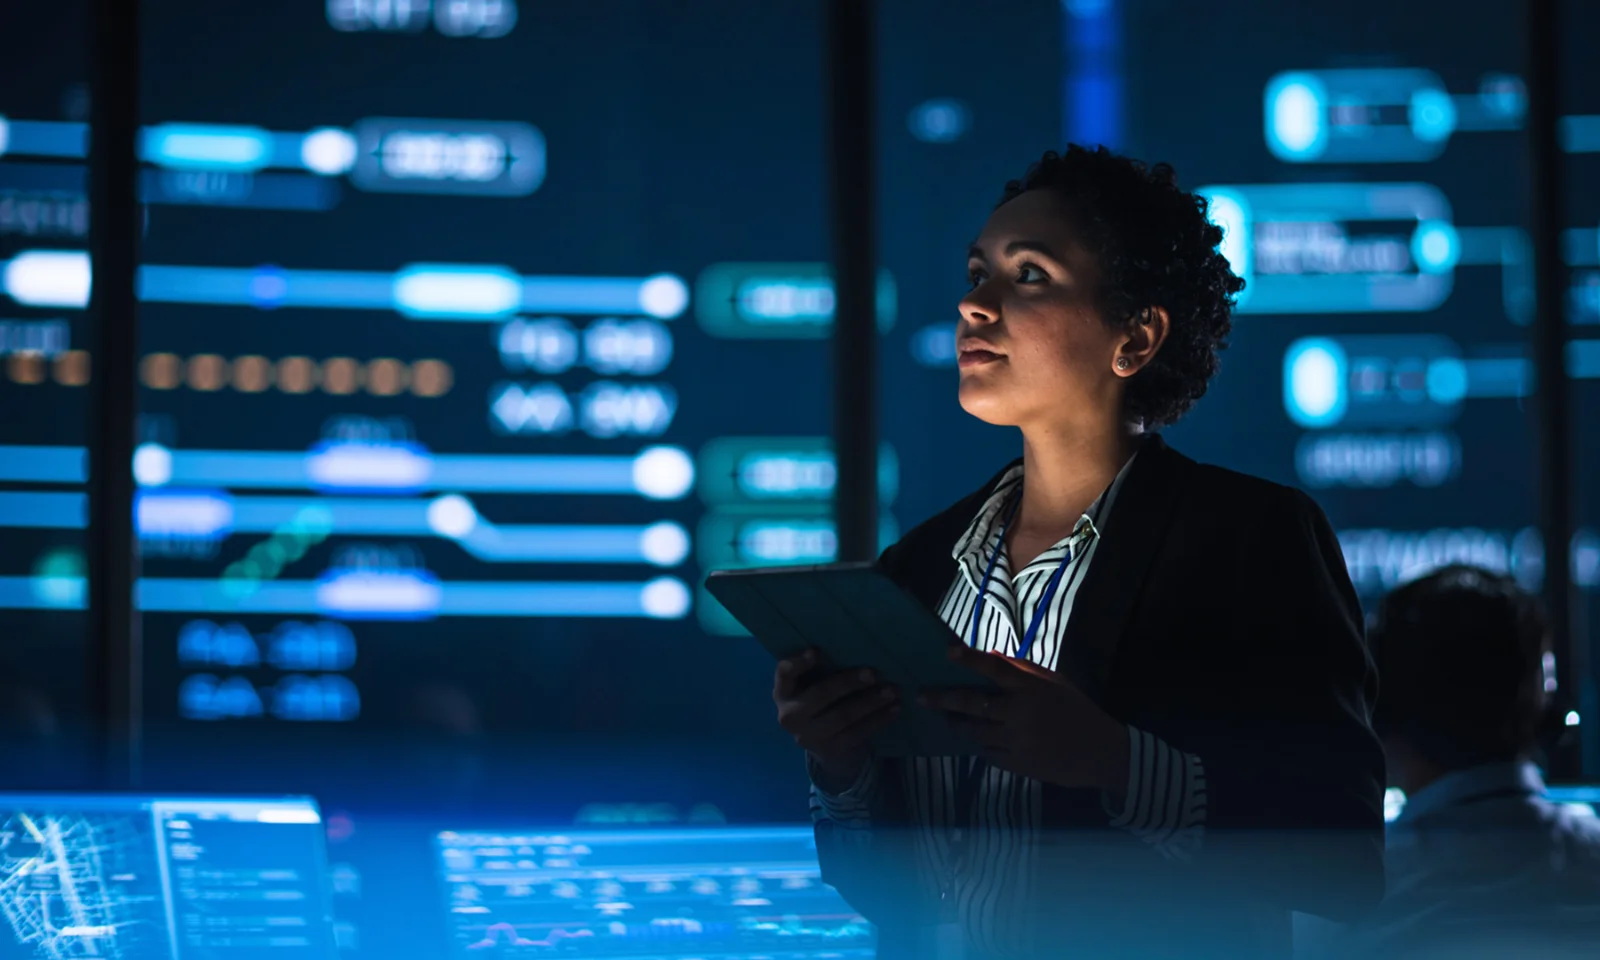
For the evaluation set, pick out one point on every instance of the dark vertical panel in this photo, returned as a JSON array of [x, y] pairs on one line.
[[1545, 212], [852, 93], [114, 251]]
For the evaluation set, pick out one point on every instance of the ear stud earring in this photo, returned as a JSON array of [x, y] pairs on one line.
[[1122, 363]]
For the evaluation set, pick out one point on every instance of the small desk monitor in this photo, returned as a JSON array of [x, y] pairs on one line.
[[163, 878], [728, 893]]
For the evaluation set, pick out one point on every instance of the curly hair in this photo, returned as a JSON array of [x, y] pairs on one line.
[[1156, 248]]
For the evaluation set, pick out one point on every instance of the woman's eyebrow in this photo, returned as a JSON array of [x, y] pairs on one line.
[[975, 252]]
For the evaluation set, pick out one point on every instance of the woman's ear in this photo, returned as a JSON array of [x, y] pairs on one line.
[[1146, 333]]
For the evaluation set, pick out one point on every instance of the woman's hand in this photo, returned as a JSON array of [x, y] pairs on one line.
[[1038, 724], [832, 719]]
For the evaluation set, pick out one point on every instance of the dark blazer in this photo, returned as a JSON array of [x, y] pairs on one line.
[[1218, 615]]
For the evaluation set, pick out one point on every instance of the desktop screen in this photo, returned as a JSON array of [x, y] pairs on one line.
[[731, 893], [141, 878]]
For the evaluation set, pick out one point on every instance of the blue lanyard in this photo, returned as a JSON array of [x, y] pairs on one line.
[[970, 774], [1044, 602]]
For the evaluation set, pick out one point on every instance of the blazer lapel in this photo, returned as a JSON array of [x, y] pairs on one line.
[[1132, 536]]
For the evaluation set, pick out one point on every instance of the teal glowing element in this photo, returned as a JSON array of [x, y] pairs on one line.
[[1384, 115], [193, 146], [1315, 372], [1436, 247], [774, 470], [58, 580], [1447, 380], [1337, 247], [776, 300], [438, 290], [1295, 109], [1433, 115], [1386, 381]]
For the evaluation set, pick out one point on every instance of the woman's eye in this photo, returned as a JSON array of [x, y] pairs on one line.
[[1030, 274], [975, 277]]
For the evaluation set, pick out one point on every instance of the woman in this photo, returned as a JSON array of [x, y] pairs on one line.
[[1179, 753]]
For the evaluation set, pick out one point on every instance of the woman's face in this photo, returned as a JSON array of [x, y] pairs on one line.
[[1033, 350]]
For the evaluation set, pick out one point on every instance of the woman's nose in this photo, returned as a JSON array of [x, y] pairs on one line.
[[978, 307]]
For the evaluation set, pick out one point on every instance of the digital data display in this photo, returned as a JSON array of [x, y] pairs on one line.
[[741, 894], [474, 332], [464, 352], [1368, 168], [163, 879]]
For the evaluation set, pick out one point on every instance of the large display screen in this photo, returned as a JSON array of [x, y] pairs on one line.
[[474, 332]]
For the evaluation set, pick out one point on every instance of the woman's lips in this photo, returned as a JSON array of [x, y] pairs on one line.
[[973, 358]]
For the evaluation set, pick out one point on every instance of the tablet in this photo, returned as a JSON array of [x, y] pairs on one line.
[[855, 617]]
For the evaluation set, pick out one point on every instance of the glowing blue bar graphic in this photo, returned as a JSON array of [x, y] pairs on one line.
[[422, 291], [44, 138], [662, 599], [1385, 115], [661, 544], [351, 516], [440, 291], [552, 474], [397, 468], [62, 511], [656, 473], [201, 515], [198, 516], [1580, 134], [239, 468], [1292, 246], [379, 595], [43, 465], [576, 295], [1410, 380], [193, 146]]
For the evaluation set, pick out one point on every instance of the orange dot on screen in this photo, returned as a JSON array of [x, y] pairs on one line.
[[297, 375], [207, 372], [431, 378], [72, 368], [341, 375], [26, 368], [386, 376], [160, 371], [252, 374]]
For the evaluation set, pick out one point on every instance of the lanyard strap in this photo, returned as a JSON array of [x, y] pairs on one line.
[[971, 774], [988, 574]]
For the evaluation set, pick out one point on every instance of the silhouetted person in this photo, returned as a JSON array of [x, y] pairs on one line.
[[1479, 863]]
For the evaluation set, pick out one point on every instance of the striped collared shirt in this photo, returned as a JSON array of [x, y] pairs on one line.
[[1165, 799]]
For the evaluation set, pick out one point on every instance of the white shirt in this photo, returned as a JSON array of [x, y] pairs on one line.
[[1165, 803]]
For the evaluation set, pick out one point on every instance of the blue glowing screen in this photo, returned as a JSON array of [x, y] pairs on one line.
[[730, 892], [145, 878], [470, 342]]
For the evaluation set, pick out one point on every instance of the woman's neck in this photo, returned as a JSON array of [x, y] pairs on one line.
[[1063, 473]]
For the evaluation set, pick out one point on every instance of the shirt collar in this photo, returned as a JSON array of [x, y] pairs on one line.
[[979, 541], [1461, 785]]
